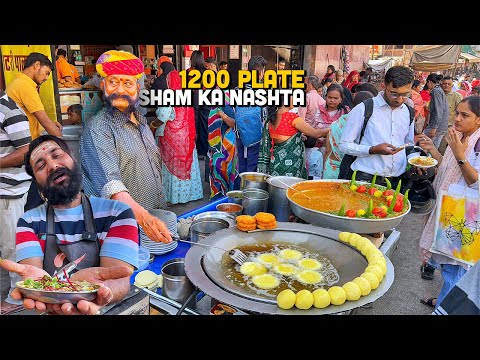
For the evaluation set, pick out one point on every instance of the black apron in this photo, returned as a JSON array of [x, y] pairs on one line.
[[89, 244]]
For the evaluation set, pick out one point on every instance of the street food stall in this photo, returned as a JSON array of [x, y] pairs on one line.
[[313, 233]]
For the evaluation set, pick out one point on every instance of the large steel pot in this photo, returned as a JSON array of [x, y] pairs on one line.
[[342, 223], [278, 203], [204, 266], [255, 180]]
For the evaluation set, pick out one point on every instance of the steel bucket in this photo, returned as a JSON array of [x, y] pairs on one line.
[[176, 285], [254, 200], [201, 228], [278, 203], [253, 180]]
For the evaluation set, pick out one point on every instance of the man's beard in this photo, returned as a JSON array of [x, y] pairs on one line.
[[65, 192], [132, 103]]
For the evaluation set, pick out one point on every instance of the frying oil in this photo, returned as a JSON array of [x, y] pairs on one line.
[[232, 269]]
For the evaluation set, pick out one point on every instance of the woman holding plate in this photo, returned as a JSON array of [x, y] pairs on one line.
[[460, 165]]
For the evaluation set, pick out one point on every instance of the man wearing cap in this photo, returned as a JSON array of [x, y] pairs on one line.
[[102, 233], [120, 159]]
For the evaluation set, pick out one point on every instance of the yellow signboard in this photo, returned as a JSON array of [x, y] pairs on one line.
[[13, 60]]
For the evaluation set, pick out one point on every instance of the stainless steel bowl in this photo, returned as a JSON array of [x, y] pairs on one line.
[[202, 228], [222, 215], [342, 223], [56, 297], [231, 208]]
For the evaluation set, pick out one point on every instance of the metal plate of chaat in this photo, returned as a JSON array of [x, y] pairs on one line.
[[51, 290]]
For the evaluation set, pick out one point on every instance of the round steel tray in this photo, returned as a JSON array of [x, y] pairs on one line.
[[357, 225], [203, 268]]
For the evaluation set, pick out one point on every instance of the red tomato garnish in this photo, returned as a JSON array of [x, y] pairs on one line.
[[380, 212], [388, 192], [372, 190], [351, 213], [362, 189]]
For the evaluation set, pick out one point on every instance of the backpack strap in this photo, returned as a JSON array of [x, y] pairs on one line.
[[476, 148], [412, 113], [368, 113]]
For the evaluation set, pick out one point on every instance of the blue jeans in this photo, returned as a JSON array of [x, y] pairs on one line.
[[247, 157], [451, 274]]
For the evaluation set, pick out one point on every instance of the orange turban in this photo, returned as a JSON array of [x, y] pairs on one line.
[[115, 62]]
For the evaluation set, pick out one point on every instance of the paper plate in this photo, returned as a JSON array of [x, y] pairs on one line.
[[423, 162]]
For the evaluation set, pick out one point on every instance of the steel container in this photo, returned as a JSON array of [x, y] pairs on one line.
[[176, 285], [278, 203], [201, 228], [235, 196], [253, 180], [254, 201], [234, 209], [343, 223]]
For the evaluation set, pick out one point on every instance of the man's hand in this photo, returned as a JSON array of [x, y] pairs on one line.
[[98, 276], [25, 271], [58, 125], [154, 228], [384, 149]]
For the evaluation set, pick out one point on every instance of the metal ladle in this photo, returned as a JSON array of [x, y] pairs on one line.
[[290, 187]]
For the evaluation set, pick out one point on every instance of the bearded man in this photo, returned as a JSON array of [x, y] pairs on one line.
[[100, 235], [120, 159]]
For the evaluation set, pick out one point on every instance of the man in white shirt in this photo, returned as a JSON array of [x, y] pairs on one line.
[[381, 149]]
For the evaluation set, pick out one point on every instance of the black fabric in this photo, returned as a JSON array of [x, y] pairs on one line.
[[457, 303], [33, 198], [346, 171], [89, 244], [310, 142]]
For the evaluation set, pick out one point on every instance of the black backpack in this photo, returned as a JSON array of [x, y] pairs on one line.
[[345, 171]]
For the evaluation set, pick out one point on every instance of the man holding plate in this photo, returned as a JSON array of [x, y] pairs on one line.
[[70, 225]]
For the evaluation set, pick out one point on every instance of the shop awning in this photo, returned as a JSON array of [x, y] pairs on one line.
[[469, 57], [435, 58]]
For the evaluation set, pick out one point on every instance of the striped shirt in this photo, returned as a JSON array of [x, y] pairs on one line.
[[118, 155], [14, 133], [117, 230]]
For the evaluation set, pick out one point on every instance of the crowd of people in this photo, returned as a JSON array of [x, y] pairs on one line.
[[98, 205]]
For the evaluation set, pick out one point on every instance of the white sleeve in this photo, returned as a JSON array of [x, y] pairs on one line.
[[351, 133]]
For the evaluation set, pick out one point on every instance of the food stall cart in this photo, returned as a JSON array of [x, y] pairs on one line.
[[201, 269]]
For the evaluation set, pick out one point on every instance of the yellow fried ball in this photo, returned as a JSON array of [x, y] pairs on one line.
[[361, 243], [376, 256], [337, 295], [353, 239], [380, 264], [372, 279], [374, 269], [251, 268], [321, 298], [367, 248], [364, 285], [304, 300], [352, 290], [286, 299], [343, 236]]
